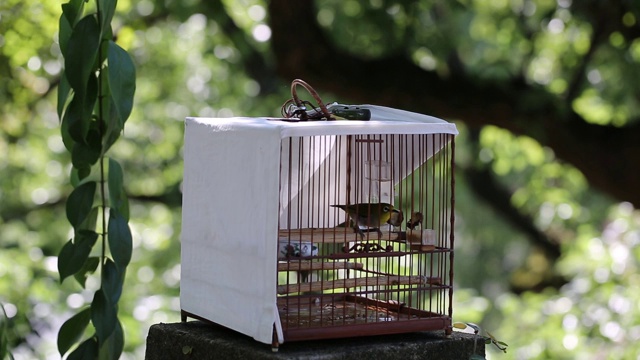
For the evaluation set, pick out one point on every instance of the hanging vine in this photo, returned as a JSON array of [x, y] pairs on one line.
[[95, 98]]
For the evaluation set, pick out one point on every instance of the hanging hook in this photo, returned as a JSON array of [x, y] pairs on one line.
[[296, 107]]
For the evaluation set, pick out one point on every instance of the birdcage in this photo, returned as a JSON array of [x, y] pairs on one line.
[[318, 229]]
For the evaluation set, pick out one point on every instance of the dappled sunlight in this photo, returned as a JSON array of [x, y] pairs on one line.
[[600, 297]]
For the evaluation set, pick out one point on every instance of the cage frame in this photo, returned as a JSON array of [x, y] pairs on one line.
[[275, 130]]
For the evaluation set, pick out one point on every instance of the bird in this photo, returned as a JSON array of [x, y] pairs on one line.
[[396, 217], [371, 215], [416, 218]]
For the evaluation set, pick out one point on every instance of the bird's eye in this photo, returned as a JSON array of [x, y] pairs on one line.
[[385, 209]]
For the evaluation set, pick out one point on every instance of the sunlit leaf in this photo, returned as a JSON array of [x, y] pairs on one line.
[[120, 241], [80, 202], [104, 315], [72, 329]]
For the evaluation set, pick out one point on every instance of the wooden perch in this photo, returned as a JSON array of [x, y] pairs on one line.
[[318, 265], [419, 247], [357, 282], [333, 235]]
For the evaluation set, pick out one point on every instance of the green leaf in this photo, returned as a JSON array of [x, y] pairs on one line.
[[120, 241], [91, 220], [74, 254], [122, 80], [123, 207], [74, 177], [73, 128], [83, 173], [82, 50], [83, 156], [64, 33], [89, 267], [72, 10], [87, 350], [104, 316], [115, 184], [117, 197], [67, 140], [72, 329], [107, 9], [65, 260], [113, 127], [63, 95], [114, 344], [78, 115], [110, 119], [112, 281], [80, 202]]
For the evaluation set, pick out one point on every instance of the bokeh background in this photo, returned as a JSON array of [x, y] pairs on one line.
[[545, 94]]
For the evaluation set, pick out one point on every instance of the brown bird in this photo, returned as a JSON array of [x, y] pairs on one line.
[[416, 218]]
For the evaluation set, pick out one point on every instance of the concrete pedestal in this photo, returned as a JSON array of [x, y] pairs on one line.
[[198, 340]]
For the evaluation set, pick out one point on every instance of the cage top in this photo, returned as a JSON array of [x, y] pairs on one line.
[[385, 121]]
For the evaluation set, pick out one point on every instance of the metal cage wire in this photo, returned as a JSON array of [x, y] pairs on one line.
[[337, 278]]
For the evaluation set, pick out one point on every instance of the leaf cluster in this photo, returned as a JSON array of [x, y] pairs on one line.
[[95, 98]]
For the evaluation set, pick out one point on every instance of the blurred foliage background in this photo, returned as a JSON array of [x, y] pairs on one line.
[[545, 261]]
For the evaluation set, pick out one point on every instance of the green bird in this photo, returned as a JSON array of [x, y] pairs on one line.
[[371, 215]]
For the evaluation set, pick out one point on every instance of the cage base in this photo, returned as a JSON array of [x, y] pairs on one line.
[[328, 317]]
